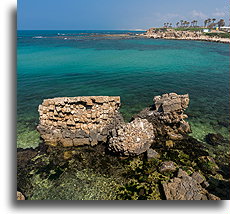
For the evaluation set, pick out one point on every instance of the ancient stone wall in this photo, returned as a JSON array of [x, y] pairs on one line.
[[78, 120]]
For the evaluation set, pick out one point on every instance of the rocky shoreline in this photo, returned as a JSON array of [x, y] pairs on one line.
[[171, 34], [150, 158]]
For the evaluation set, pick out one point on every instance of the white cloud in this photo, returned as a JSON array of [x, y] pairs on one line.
[[198, 14], [219, 13], [167, 17]]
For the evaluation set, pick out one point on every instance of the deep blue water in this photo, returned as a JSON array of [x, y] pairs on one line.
[[50, 64]]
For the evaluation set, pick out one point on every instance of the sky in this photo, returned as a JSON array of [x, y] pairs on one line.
[[115, 14]]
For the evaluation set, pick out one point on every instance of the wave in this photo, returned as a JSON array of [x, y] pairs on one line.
[[38, 37]]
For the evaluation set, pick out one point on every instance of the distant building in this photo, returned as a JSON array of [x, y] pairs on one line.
[[225, 28], [206, 30]]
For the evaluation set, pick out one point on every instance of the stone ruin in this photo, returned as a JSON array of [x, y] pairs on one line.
[[76, 121], [79, 121]]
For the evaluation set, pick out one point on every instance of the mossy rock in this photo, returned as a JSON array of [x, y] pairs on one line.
[[208, 164]]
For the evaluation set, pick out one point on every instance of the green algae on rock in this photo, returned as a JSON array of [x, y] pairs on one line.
[[27, 138], [78, 185]]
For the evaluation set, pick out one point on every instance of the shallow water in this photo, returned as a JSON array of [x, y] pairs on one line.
[[135, 69]]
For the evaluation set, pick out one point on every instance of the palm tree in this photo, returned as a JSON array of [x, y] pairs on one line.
[[192, 24], [196, 22], [221, 23], [208, 21], [177, 24], [184, 23], [205, 22], [213, 20], [170, 25], [181, 23]]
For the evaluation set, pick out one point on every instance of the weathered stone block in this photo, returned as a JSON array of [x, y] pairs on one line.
[[81, 141], [66, 142]]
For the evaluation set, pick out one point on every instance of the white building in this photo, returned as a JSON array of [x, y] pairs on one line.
[[224, 28], [206, 30]]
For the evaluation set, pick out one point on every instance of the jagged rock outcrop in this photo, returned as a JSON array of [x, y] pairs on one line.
[[167, 115], [132, 138], [76, 121], [185, 187]]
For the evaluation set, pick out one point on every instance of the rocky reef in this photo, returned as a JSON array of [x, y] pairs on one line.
[[89, 147]]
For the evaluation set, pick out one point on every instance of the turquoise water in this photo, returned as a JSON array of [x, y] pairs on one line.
[[135, 69]]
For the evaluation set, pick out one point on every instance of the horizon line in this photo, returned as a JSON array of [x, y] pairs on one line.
[[89, 29]]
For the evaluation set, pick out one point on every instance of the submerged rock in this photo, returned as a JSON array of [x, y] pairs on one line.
[[224, 123], [215, 139], [132, 138]]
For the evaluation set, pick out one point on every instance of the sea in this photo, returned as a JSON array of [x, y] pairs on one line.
[[90, 63]]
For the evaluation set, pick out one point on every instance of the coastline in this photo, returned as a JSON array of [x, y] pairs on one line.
[[167, 34], [171, 33], [204, 39], [127, 36], [174, 34]]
